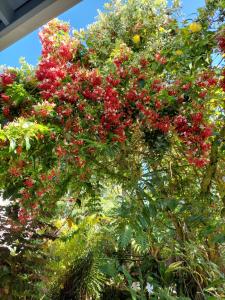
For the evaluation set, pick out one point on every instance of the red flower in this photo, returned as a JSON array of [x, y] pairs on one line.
[[197, 118], [135, 70], [43, 177], [26, 195], [40, 193], [157, 56], [162, 60], [198, 162], [29, 182], [144, 62], [94, 78], [202, 94], [132, 95], [7, 78], [14, 171], [207, 132], [19, 150], [180, 122], [43, 113], [6, 111], [5, 97], [65, 51], [114, 82], [158, 104], [22, 216], [205, 146], [221, 43], [60, 151], [186, 86]]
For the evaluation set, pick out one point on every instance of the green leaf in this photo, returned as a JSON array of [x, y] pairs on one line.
[[12, 145], [27, 141], [2, 136], [174, 266], [219, 238], [126, 236], [109, 268]]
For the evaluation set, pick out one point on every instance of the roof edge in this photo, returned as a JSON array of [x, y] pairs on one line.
[[35, 18]]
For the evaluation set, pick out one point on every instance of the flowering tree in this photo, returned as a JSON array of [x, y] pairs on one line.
[[135, 102]]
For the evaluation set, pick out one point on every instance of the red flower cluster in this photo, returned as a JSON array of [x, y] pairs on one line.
[[29, 183], [160, 59], [102, 105], [15, 172], [7, 78], [57, 53], [194, 133], [107, 110], [222, 81], [5, 98], [221, 42], [207, 80], [23, 216], [17, 169]]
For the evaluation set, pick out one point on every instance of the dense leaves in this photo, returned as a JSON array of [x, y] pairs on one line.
[[112, 157]]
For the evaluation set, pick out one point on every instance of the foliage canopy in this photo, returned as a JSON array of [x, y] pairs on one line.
[[112, 159]]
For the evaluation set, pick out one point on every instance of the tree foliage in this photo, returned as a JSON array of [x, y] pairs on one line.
[[112, 159]]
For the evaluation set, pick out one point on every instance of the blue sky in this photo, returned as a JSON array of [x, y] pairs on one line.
[[79, 16]]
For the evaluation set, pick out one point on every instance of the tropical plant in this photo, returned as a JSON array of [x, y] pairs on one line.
[[112, 159]]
